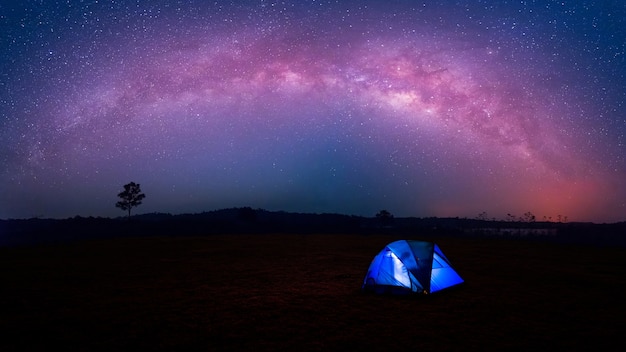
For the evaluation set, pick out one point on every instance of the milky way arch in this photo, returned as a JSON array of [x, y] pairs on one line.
[[307, 112]]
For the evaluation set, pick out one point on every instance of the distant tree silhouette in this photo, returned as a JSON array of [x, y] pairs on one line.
[[529, 217], [385, 217], [131, 197]]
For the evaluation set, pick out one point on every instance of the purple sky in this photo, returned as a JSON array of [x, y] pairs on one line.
[[420, 108]]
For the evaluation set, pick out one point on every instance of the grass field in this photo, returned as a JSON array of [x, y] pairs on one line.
[[302, 292]]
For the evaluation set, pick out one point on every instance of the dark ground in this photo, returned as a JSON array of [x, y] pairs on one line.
[[302, 292]]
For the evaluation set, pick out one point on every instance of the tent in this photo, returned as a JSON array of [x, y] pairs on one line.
[[406, 266]]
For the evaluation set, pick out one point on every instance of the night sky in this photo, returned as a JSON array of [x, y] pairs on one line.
[[433, 108]]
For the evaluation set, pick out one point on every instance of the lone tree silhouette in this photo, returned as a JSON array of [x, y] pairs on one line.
[[131, 197]]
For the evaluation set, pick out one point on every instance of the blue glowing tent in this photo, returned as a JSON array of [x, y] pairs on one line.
[[410, 267]]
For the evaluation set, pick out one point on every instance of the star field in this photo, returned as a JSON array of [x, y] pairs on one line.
[[421, 108]]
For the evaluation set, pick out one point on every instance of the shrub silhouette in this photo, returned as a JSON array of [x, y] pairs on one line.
[[385, 217]]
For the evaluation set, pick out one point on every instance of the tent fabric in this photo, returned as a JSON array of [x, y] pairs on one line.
[[407, 266]]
